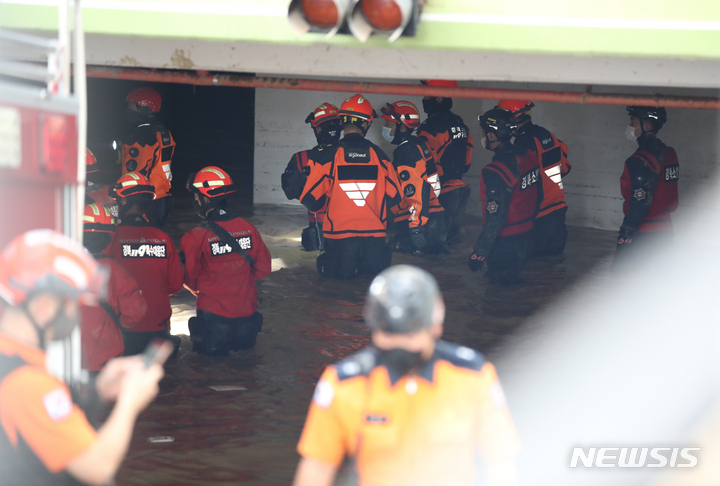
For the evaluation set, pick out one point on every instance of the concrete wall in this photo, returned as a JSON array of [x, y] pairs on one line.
[[594, 134]]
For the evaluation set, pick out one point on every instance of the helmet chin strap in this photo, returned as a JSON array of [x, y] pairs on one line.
[[39, 330]]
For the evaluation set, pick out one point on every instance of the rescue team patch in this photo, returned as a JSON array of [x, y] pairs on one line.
[[530, 179], [639, 194], [458, 132], [376, 419], [134, 152], [492, 207], [131, 165], [409, 190], [219, 248], [144, 250], [547, 142], [672, 173], [404, 175], [324, 394], [57, 404]]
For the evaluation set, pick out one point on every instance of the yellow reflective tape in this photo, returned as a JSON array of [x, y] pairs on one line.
[[89, 219], [129, 183], [214, 171], [95, 209]]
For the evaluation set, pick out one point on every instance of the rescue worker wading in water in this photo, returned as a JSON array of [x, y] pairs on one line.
[[355, 185], [649, 185], [223, 257], [420, 219], [149, 256], [550, 232], [411, 410], [149, 150], [325, 122], [448, 138], [509, 194]]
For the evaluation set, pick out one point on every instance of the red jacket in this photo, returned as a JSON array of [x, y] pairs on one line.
[[222, 280], [149, 256], [101, 337]]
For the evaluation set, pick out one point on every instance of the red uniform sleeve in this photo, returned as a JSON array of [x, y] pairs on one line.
[[37, 407], [497, 437], [324, 438], [129, 303], [190, 247], [263, 260], [175, 271]]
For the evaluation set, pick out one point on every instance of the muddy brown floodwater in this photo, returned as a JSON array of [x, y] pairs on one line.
[[246, 433]]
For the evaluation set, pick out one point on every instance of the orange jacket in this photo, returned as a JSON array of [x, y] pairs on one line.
[[149, 150], [355, 185], [449, 140]]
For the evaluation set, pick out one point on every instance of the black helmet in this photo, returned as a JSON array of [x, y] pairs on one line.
[[656, 114], [401, 300], [500, 121]]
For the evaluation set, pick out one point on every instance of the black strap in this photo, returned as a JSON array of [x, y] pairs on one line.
[[228, 239], [111, 312]]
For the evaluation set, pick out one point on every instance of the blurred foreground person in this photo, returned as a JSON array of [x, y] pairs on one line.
[[122, 307], [45, 439], [411, 409], [149, 150], [354, 184], [649, 186], [420, 219], [325, 122], [223, 257], [96, 191], [509, 193], [550, 233], [149, 256], [449, 140]]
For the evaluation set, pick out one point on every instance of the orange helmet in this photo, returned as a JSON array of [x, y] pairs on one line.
[[47, 261], [211, 182], [356, 108], [145, 97], [91, 165], [448, 83], [517, 107], [98, 219], [132, 184], [402, 112], [323, 113]]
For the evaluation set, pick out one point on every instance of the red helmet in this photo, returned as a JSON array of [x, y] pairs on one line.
[[91, 165], [211, 182], [97, 219], [402, 112], [47, 261], [517, 107], [448, 83], [356, 108], [323, 113], [145, 97], [132, 184]]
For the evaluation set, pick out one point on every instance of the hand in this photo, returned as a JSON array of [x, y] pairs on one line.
[[475, 262], [622, 240], [418, 238], [140, 387], [109, 381]]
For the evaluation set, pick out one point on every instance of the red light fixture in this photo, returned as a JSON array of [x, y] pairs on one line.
[[55, 143]]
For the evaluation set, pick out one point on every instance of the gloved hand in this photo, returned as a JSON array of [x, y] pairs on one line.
[[475, 262], [418, 238]]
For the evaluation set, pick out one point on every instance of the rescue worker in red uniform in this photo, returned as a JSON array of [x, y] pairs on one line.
[[223, 257], [149, 150], [96, 191], [649, 186], [509, 188], [149, 256], [355, 184], [411, 409], [420, 219], [550, 232], [45, 438], [448, 138], [123, 305], [325, 122]]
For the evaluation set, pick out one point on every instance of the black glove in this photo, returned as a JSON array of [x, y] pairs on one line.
[[417, 237], [475, 262]]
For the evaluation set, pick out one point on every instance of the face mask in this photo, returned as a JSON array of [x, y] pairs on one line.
[[401, 360], [483, 142], [386, 134], [630, 133]]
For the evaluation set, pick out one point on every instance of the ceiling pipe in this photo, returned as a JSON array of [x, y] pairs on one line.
[[205, 78]]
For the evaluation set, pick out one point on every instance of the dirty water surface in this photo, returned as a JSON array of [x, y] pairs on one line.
[[237, 420]]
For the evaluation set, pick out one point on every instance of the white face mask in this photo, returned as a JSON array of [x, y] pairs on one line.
[[387, 134], [630, 133], [483, 142]]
